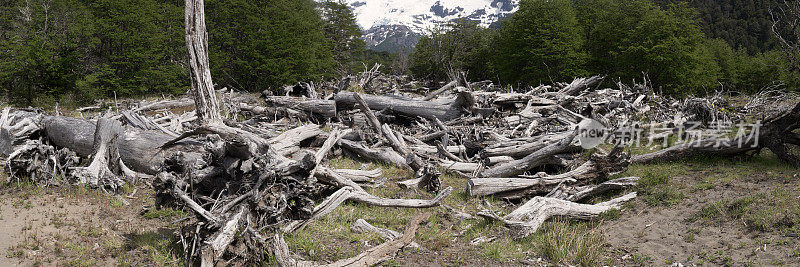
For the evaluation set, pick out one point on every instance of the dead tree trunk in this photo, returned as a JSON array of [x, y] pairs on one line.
[[409, 107], [777, 134], [512, 168], [527, 219], [205, 98]]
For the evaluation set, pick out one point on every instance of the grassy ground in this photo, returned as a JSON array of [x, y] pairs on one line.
[[702, 211], [76, 226], [711, 211], [445, 240]]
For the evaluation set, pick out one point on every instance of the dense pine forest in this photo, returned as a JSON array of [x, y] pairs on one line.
[[78, 50], [684, 47]]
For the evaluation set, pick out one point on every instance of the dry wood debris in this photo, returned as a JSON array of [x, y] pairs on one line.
[[261, 166]]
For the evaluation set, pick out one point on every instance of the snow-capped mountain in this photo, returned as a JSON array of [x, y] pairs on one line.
[[396, 25]]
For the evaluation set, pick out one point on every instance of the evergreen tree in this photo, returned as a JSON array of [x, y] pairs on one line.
[[628, 39], [141, 48], [257, 45], [43, 45], [463, 46], [345, 35], [540, 43], [742, 23]]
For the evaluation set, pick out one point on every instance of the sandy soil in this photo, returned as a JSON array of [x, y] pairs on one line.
[[75, 226], [668, 235]]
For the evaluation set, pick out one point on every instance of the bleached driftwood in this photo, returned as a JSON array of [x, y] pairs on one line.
[[512, 168], [369, 257], [527, 219]]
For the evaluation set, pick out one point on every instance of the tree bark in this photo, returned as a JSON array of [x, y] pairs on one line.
[[409, 107], [205, 98], [513, 168]]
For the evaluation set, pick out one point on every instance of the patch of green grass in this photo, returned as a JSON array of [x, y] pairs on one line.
[[777, 210], [569, 243], [654, 186], [688, 237], [90, 231], [162, 247], [706, 184], [641, 259], [166, 213], [117, 202], [610, 215], [306, 242]]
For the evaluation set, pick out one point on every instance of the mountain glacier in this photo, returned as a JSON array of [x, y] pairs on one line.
[[396, 25]]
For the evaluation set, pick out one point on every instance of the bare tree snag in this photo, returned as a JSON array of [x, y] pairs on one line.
[[205, 98]]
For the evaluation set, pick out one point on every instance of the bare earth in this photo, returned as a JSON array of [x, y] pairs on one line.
[[667, 235], [77, 227]]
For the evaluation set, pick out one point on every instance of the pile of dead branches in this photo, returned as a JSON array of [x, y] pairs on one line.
[[245, 179]]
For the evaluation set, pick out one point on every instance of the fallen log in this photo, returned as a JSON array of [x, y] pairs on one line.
[[370, 257], [490, 186], [598, 167], [325, 108], [362, 226], [139, 150], [776, 134], [384, 155], [360, 176], [527, 219], [589, 191], [513, 168], [439, 91], [409, 107], [580, 84]]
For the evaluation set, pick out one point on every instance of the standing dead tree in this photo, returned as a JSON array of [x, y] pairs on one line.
[[786, 28], [205, 98]]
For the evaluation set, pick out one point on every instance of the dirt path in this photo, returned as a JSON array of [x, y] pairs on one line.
[[79, 227], [664, 235]]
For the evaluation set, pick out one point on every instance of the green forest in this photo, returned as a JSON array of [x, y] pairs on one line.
[[80, 50], [692, 47]]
